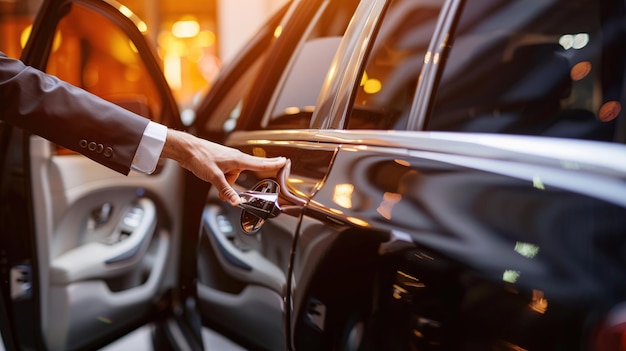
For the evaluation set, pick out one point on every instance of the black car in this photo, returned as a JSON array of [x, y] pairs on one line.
[[457, 181]]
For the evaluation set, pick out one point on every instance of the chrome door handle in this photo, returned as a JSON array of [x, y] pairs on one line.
[[258, 204]]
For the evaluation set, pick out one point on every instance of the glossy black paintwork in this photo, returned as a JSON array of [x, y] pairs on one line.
[[441, 241], [462, 275]]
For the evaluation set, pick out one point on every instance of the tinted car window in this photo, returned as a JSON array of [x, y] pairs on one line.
[[89, 51], [219, 111], [384, 96], [533, 67], [15, 25], [294, 102], [226, 112]]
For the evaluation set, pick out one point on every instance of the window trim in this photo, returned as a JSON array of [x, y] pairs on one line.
[[432, 71], [339, 88]]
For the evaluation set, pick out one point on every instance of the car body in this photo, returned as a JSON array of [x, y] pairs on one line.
[[456, 182]]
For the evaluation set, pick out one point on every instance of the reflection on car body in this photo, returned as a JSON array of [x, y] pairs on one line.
[[468, 193]]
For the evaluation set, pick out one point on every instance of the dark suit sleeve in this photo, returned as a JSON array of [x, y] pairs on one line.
[[68, 116]]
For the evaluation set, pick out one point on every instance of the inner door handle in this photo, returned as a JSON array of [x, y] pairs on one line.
[[120, 252], [100, 215]]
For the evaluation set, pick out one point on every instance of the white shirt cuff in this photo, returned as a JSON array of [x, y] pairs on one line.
[[150, 147]]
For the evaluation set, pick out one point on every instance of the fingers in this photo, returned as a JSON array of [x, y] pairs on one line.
[[228, 194], [254, 163], [224, 180], [225, 172]]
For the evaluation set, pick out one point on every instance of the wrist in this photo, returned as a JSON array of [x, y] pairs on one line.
[[174, 147]]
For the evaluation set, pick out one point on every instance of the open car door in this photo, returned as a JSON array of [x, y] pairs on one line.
[[88, 254]]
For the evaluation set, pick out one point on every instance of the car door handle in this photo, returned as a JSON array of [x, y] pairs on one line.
[[261, 202], [100, 215], [119, 252]]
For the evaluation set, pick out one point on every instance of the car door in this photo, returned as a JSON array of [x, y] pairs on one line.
[[93, 254], [243, 277]]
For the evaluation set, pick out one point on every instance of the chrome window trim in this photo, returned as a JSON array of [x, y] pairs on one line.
[[432, 70], [335, 95]]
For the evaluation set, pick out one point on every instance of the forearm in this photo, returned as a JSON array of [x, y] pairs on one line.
[[68, 116]]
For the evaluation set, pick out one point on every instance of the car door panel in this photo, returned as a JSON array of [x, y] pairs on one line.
[[90, 310], [238, 258], [105, 247], [238, 288], [97, 280], [107, 253]]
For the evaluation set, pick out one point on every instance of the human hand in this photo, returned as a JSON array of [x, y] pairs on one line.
[[215, 163]]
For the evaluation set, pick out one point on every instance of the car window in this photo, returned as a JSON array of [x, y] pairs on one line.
[[89, 51], [533, 67], [15, 25], [228, 109], [384, 96], [296, 97]]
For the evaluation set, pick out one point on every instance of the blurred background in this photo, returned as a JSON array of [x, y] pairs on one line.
[[193, 39]]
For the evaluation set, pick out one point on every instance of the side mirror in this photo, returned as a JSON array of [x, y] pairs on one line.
[[259, 204]]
